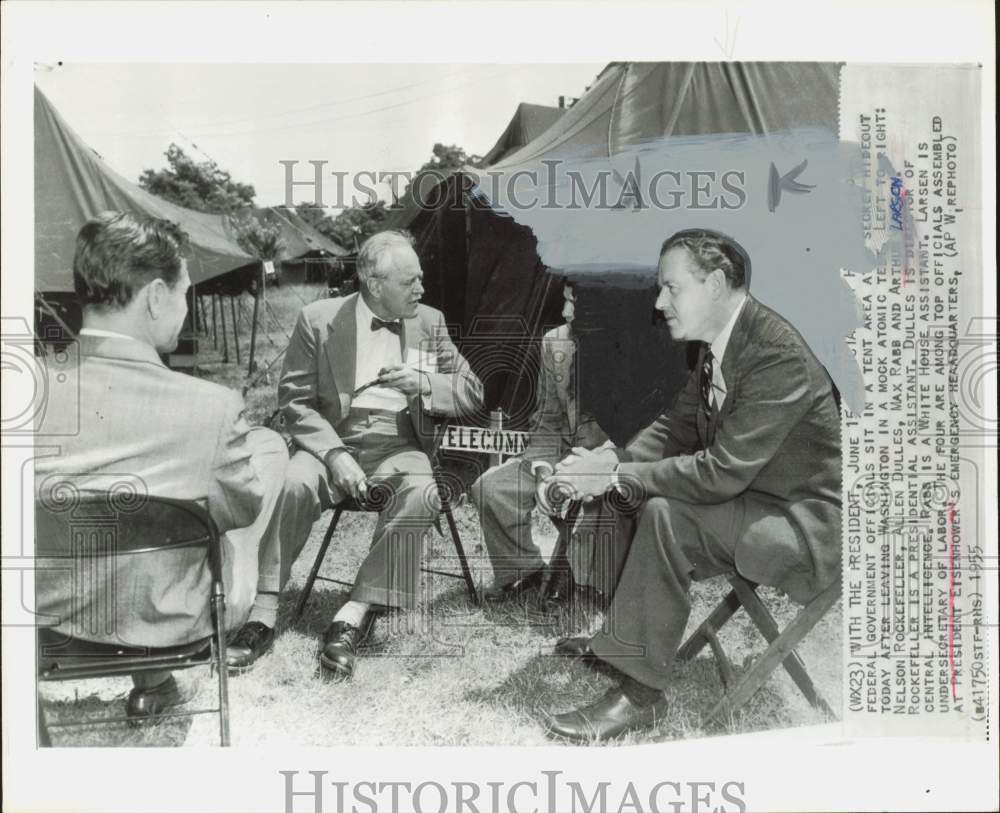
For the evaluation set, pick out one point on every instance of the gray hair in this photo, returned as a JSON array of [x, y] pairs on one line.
[[371, 257]]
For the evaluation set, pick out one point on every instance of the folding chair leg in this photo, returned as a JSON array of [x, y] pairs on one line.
[[44, 740], [219, 611], [707, 629], [781, 649], [466, 572], [307, 589]]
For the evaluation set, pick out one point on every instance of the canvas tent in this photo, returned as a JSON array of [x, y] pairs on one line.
[[301, 245], [528, 122], [73, 184], [484, 269]]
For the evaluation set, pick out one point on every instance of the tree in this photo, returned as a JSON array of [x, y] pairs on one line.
[[354, 221], [257, 237], [447, 158], [202, 186]]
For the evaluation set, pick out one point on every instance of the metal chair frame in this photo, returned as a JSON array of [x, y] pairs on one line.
[[352, 505], [62, 657]]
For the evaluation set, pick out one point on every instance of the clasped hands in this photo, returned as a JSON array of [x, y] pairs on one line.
[[584, 474]]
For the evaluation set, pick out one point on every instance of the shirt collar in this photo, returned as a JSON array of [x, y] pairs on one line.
[[365, 314], [718, 346], [97, 333]]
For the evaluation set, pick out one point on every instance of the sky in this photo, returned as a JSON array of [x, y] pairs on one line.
[[248, 117]]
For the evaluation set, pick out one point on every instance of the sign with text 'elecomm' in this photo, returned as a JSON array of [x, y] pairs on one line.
[[506, 442]]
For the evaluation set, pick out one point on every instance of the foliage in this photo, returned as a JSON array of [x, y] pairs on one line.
[[257, 237], [359, 222], [445, 158], [202, 186]]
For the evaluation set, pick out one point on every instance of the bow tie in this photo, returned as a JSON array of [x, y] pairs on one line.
[[392, 327]]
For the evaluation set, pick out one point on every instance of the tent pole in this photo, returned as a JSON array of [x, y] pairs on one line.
[[204, 318], [258, 292], [222, 319], [236, 332], [215, 326]]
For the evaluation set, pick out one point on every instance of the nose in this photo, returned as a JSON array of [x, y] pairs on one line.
[[663, 300]]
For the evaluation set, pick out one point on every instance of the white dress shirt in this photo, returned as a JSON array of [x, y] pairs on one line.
[[97, 333], [375, 349], [718, 353]]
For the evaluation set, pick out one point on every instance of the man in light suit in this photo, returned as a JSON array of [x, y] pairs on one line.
[[743, 473], [170, 434], [363, 377], [505, 495]]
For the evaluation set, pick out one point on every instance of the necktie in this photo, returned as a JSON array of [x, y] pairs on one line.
[[707, 400], [393, 327]]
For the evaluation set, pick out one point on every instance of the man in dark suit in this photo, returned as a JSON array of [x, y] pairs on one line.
[[742, 473], [505, 495], [362, 379], [169, 434]]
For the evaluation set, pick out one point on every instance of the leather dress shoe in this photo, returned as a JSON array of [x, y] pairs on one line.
[[576, 647], [253, 641], [517, 588], [611, 716], [560, 589], [339, 648], [145, 705]]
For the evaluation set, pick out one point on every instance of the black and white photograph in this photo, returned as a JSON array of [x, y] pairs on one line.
[[628, 420]]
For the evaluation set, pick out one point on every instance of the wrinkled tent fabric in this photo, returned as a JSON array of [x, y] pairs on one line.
[[479, 263], [73, 184], [300, 239], [529, 122]]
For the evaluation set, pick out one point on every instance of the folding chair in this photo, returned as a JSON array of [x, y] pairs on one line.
[[276, 422], [95, 528], [781, 649], [352, 505]]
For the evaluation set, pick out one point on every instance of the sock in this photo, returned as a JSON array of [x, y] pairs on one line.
[[639, 693], [353, 613], [265, 609]]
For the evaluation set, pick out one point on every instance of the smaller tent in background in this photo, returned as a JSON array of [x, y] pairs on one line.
[[528, 122], [74, 184]]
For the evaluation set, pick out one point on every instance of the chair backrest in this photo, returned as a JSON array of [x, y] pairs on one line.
[[71, 522]]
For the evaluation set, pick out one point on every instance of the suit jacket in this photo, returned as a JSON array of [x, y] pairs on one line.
[[318, 376], [775, 440], [166, 434], [557, 424]]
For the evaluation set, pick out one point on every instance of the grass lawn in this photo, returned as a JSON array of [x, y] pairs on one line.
[[449, 674]]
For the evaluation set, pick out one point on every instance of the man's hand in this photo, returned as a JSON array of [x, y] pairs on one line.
[[404, 379], [586, 474], [346, 474]]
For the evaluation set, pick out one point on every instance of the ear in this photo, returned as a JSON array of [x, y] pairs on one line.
[[719, 277], [156, 297]]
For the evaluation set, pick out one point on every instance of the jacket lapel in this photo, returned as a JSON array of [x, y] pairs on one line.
[[341, 347], [730, 361]]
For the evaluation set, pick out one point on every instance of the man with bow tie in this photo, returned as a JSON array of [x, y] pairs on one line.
[[742, 473], [363, 377]]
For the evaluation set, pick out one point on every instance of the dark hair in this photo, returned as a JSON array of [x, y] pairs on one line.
[[711, 250], [118, 253]]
